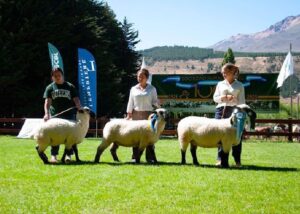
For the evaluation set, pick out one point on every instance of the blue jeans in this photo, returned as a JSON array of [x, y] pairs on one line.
[[236, 150], [55, 149]]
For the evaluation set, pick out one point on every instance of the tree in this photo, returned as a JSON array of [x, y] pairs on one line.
[[26, 28], [228, 57]]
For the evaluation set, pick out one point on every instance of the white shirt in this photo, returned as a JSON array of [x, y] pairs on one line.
[[236, 89], [142, 99]]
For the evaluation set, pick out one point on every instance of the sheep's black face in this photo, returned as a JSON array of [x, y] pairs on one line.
[[162, 113], [250, 113]]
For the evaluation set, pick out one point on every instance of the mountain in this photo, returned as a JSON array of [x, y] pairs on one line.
[[276, 38]]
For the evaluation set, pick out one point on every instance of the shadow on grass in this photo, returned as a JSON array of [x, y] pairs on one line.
[[162, 163]]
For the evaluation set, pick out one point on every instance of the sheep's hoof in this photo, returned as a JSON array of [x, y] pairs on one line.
[[225, 166], [196, 163], [183, 162], [152, 161]]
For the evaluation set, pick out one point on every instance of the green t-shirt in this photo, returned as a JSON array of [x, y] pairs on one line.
[[62, 98]]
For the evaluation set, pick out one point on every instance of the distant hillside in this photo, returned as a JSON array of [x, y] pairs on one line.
[[276, 38], [213, 65], [165, 53], [192, 60]]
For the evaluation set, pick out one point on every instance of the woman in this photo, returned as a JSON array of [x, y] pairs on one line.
[[229, 92], [60, 96], [142, 99]]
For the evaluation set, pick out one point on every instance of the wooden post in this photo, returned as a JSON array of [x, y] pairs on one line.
[[290, 130]]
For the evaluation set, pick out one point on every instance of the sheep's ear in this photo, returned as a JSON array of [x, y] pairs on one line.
[[252, 115]]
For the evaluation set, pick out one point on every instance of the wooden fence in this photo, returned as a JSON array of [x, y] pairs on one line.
[[13, 126]]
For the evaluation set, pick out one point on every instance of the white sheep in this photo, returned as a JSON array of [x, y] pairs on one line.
[[58, 131], [133, 133], [209, 133]]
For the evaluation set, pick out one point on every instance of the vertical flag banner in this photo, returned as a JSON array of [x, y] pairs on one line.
[[287, 69], [55, 57], [87, 79], [144, 66]]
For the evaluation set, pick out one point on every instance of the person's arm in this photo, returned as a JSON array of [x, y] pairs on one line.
[[241, 96], [155, 101], [129, 106], [221, 96], [47, 104], [77, 102]]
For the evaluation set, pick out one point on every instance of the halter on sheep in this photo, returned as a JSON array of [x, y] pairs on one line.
[[209, 133], [132, 133]]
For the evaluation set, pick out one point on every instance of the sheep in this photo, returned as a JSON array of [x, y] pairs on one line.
[[264, 129], [209, 133], [133, 133], [296, 129], [58, 131]]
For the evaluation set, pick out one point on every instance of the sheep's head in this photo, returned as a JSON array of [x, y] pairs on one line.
[[238, 118], [250, 113], [83, 112], [160, 115]]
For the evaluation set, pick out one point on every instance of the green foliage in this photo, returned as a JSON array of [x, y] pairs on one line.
[[210, 66], [26, 28], [176, 53], [267, 182], [186, 53], [228, 57]]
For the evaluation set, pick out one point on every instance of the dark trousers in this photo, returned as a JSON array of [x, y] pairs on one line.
[[55, 149], [236, 150], [143, 115]]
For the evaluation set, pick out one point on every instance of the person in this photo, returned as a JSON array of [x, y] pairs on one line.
[[60, 97], [229, 93], [142, 101]]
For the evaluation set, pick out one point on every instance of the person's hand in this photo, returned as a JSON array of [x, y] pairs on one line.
[[230, 97], [46, 117], [129, 116], [227, 98]]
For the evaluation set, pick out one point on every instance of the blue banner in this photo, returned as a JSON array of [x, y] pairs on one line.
[[55, 57], [87, 79]]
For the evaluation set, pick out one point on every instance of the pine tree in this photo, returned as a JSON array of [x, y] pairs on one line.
[[228, 57], [26, 28]]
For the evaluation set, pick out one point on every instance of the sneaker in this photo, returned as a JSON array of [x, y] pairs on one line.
[[53, 159], [68, 159], [218, 163]]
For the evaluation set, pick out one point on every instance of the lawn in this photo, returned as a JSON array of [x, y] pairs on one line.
[[268, 182]]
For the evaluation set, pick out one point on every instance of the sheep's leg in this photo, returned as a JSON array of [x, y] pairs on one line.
[[183, 161], [224, 159], [42, 155], [194, 154], [150, 154], [137, 154], [75, 149], [100, 150], [113, 152], [66, 151]]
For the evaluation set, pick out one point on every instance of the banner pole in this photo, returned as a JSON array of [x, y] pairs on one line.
[[291, 97], [96, 126]]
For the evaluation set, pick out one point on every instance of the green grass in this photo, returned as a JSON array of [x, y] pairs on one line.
[[269, 181]]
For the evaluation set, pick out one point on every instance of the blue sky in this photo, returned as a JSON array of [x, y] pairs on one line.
[[199, 23]]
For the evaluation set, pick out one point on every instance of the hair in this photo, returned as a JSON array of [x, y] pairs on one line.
[[231, 67], [56, 69], [144, 71]]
